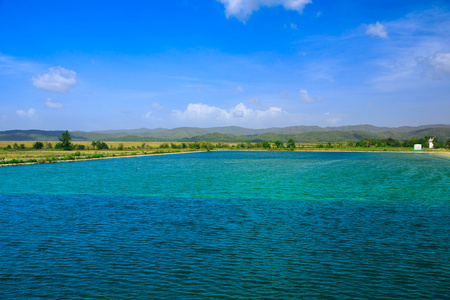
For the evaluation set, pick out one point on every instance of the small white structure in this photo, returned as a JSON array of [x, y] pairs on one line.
[[430, 143], [418, 147]]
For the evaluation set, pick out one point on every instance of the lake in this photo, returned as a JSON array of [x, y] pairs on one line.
[[228, 225]]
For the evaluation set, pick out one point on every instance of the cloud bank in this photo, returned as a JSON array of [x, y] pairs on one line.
[[408, 63], [435, 66], [242, 9], [58, 80], [199, 114]]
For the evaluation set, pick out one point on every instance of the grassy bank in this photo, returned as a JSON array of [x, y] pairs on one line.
[[18, 157]]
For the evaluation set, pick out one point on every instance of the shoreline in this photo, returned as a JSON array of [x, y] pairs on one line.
[[441, 153], [96, 158]]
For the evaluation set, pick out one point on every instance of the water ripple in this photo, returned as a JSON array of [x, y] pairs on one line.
[[228, 225]]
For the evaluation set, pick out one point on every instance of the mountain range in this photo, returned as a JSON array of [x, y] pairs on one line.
[[237, 134]]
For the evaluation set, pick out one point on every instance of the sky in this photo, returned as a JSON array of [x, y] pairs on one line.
[[99, 65]]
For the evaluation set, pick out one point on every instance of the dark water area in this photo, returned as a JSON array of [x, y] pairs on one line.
[[228, 225]]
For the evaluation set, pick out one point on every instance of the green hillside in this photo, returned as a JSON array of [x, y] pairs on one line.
[[238, 134]]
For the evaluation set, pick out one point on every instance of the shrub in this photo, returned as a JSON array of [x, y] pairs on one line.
[[99, 145], [266, 144], [38, 145]]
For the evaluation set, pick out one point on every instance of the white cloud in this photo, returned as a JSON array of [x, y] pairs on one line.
[[242, 9], [13, 65], [148, 116], [31, 113], [203, 115], [239, 90], [294, 26], [58, 80], [435, 66], [377, 29], [240, 114], [407, 63], [305, 97], [50, 103], [157, 106]]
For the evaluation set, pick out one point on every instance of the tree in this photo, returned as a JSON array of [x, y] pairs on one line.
[[360, 144], [65, 141], [207, 145], [393, 143], [99, 145], [195, 145], [447, 144], [38, 145], [102, 145], [291, 143], [120, 147], [279, 144]]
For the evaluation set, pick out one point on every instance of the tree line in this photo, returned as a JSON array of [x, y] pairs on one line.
[[66, 144]]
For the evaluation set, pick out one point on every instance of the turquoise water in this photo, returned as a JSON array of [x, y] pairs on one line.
[[228, 225]]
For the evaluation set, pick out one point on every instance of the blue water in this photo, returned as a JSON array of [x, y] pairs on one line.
[[228, 225]]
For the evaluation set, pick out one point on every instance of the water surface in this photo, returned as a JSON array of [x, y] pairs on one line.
[[228, 225]]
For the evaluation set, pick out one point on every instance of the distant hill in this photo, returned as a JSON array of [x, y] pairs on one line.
[[237, 134], [34, 135]]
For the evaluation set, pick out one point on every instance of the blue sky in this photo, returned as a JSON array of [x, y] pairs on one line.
[[94, 65]]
